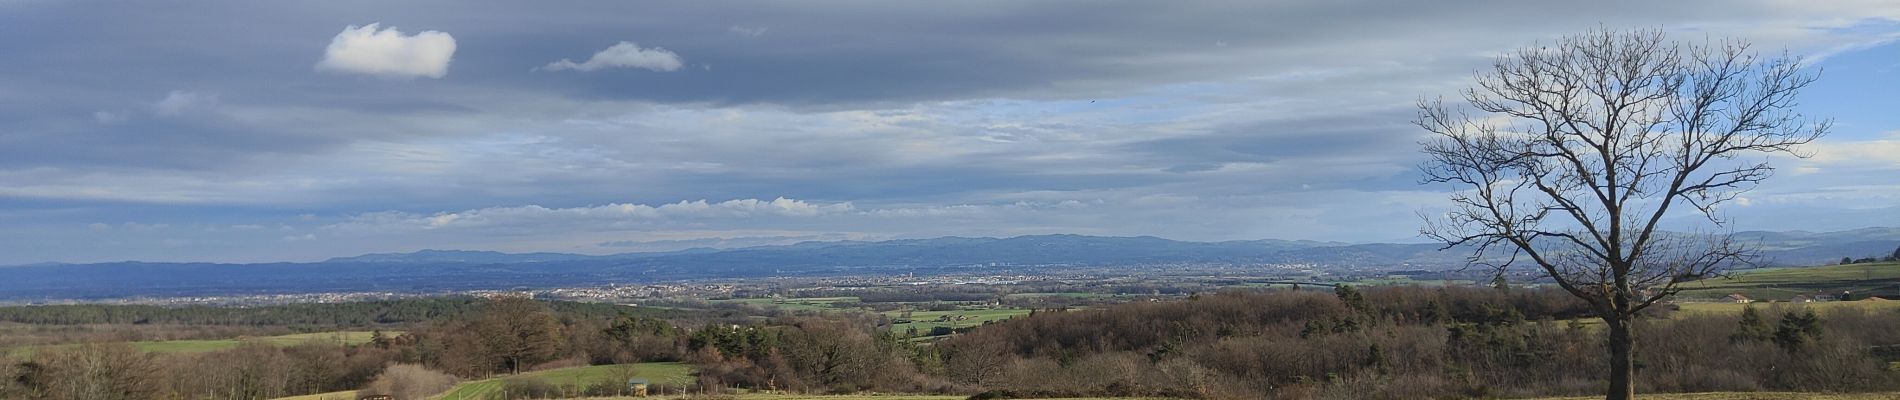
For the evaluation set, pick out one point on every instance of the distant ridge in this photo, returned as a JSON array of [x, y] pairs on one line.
[[441, 270], [457, 256]]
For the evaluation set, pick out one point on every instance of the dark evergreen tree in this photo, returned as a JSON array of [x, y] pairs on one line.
[[1752, 327], [1353, 299], [1797, 330]]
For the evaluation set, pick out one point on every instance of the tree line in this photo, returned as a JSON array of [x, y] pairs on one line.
[[1388, 342], [1895, 257]]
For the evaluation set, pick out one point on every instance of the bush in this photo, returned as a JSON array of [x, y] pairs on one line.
[[407, 381]]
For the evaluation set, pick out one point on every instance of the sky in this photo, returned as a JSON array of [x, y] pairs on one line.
[[253, 131]]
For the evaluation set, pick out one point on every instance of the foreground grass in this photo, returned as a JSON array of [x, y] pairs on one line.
[[340, 338], [1677, 396], [756, 396], [667, 373]]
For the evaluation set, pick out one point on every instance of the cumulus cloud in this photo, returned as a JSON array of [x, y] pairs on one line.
[[623, 55], [374, 50]]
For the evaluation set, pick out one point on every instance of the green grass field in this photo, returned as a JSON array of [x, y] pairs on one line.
[[667, 373], [200, 346], [795, 304], [1780, 284], [1821, 307], [924, 321], [1400, 280], [1071, 295]]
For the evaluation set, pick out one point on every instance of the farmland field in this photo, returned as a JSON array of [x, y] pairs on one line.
[[199, 346], [1822, 306], [796, 304], [666, 372], [964, 317], [1075, 295], [924, 321], [1780, 284]]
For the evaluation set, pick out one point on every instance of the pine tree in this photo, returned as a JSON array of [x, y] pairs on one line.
[[1797, 330], [1751, 327], [1353, 299]]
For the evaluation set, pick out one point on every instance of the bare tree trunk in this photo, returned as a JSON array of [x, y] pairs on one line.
[[1622, 364]]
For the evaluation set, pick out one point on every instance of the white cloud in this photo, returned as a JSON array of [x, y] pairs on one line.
[[534, 214], [179, 102], [1882, 152], [623, 55], [747, 30], [369, 49]]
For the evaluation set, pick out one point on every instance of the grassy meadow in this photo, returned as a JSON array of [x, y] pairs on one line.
[[964, 316], [1781, 284], [796, 304], [340, 338], [924, 321], [661, 372]]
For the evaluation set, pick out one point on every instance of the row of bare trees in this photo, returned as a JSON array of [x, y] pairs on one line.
[[1409, 343]]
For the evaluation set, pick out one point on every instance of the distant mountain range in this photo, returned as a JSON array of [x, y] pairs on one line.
[[444, 270]]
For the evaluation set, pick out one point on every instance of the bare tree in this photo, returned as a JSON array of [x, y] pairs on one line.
[[1581, 149]]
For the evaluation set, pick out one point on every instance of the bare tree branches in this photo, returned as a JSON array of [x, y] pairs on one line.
[[1583, 147]]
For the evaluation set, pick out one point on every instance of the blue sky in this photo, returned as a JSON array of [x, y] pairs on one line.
[[267, 131]]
